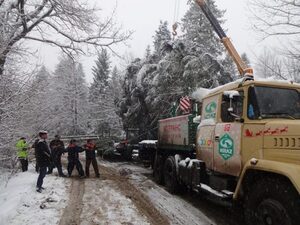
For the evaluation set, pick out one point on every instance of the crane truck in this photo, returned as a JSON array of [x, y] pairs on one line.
[[244, 149]]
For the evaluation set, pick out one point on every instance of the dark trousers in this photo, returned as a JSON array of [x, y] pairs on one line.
[[37, 168], [87, 166], [43, 171], [50, 167], [56, 163], [78, 165], [24, 164]]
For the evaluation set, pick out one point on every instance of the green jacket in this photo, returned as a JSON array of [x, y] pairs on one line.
[[22, 149]]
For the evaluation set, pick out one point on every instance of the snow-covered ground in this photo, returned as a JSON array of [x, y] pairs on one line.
[[101, 202], [176, 209], [124, 194], [21, 204], [110, 206]]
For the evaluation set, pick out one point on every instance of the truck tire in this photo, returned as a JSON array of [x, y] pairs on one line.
[[272, 201], [158, 169], [170, 175]]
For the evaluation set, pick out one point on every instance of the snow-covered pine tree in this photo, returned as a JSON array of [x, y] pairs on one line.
[[115, 83], [101, 96], [70, 94], [130, 108], [176, 68], [37, 111], [198, 33], [101, 72], [161, 38], [246, 59], [115, 94], [148, 55], [205, 53]]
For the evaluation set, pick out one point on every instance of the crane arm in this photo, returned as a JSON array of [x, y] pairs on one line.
[[243, 69]]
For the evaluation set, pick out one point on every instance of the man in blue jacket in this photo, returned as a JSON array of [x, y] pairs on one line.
[[73, 158]]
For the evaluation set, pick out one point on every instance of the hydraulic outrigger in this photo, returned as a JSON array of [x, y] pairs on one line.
[[243, 69]]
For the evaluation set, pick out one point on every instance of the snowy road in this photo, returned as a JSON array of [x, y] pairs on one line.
[[124, 195], [188, 208]]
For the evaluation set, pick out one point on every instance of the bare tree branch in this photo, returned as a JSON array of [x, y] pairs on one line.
[[280, 19], [72, 22]]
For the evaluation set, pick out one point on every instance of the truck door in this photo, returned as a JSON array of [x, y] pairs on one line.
[[206, 131], [228, 133]]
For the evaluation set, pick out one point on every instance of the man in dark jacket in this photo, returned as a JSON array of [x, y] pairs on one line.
[[57, 149], [43, 158], [90, 156], [73, 158]]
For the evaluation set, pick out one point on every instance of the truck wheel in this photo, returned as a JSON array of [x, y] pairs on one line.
[[158, 169], [170, 175], [272, 201]]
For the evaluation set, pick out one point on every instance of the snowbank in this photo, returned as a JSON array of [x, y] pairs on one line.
[[20, 203]]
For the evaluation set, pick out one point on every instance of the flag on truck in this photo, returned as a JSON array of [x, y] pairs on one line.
[[185, 104]]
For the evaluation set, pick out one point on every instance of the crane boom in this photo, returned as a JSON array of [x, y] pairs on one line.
[[243, 69]]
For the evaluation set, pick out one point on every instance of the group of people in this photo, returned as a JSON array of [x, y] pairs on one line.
[[49, 156]]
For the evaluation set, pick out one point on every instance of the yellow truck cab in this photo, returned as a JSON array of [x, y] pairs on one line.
[[250, 130], [245, 148]]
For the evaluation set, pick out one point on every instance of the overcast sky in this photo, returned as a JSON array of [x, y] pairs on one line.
[[143, 16]]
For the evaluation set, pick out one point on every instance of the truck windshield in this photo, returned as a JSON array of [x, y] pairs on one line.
[[270, 102]]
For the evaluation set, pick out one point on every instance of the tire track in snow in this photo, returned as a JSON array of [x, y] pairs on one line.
[[141, 201], [72, 212]]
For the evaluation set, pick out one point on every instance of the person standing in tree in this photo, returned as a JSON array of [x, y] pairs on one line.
[[90, 156], [43, 159], [73, 158], [57, 149], [22, 153]]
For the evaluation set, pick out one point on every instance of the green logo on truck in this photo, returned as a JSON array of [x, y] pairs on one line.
[[226, 147], [210, 110]]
